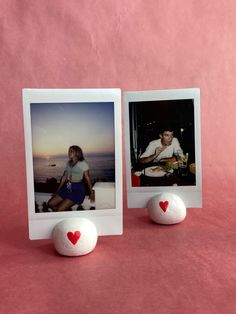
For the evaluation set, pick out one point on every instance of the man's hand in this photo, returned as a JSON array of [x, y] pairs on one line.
[[150, 158], [159, 149]]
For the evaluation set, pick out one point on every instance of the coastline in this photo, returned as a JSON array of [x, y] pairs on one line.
[[101, 167]]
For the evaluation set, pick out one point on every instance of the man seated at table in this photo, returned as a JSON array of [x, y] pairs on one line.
[[162, 150]]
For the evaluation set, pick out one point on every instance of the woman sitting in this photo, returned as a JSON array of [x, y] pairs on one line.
[[72, 189]]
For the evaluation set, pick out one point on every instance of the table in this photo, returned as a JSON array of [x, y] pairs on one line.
[[168, 180]]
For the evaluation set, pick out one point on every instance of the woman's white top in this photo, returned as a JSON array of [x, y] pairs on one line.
[[76, 172]]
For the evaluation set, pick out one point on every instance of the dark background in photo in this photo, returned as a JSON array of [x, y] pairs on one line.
[[147, 119]]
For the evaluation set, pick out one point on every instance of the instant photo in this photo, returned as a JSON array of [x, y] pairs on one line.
[[73, 155], [162, 132]]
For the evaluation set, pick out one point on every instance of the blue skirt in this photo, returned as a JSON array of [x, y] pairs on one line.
[[76, 193]]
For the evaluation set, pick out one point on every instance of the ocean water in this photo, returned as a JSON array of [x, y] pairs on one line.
[[101, 167]]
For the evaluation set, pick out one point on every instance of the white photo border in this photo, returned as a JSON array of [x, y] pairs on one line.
[[137, 197], [107, 221]]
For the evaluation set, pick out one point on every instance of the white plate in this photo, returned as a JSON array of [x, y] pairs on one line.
[[149, 173]]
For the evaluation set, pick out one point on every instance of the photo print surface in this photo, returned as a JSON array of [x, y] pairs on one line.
[[163, 144], [58, 128], [73, 155]]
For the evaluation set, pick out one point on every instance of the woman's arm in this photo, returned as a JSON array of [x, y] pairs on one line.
[[63, 180], [89, 183]]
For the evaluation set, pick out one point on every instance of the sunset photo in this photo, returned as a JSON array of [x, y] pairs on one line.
[[73, 149], [55, 128]]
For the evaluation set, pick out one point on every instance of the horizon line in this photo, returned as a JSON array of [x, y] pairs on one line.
[[38, 155]]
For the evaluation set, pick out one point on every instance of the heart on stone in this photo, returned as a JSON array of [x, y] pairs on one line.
[[164, 205], [73, 237]]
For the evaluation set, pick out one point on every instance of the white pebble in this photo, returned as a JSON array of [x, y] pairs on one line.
[[166, 208], [75, 236]]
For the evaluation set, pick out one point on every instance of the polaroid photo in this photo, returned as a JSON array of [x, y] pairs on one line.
[[73, 158], [163, 145]]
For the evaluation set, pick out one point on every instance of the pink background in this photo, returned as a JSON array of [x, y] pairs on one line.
[[134, 45]]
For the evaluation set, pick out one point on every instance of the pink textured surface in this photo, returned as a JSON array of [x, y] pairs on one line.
[[184, 268], [135, 45]]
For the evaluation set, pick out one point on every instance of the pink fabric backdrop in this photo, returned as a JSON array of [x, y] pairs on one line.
[[134, 45]]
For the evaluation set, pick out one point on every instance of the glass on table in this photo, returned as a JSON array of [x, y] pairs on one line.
[[182, 163], [179, 156]]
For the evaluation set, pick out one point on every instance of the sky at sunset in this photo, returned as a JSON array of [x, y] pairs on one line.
[[56, 126]]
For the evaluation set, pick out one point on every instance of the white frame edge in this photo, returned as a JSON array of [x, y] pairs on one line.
[[107, 221], [137, 197]]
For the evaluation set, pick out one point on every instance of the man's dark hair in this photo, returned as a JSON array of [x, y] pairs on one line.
[[166, 128]]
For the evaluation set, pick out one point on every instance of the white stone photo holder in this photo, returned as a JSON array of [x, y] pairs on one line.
[[166, 209], [75, 236]]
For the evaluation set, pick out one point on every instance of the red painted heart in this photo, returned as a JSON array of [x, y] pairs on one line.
[[73, 237], [164, 205]]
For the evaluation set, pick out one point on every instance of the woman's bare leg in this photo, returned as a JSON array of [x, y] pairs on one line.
[[64, 205], [54, 202]]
